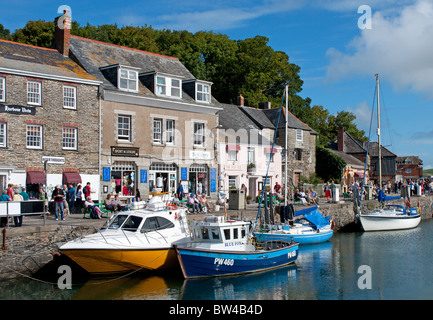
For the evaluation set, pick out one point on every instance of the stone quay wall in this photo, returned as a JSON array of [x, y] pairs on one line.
[[30, 248]]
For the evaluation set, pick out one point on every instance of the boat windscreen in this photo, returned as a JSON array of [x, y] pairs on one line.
[[118, 221]]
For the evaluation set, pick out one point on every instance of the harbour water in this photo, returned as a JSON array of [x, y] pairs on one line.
[[352, 266]]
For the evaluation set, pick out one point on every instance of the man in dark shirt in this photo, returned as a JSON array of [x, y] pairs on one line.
[[58, 196]]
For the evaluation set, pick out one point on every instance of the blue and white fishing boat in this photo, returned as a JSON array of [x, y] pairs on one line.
[[312, 228], [224, 248]]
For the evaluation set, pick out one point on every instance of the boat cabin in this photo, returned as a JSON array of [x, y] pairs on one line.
[[146, 222], [215, 229]]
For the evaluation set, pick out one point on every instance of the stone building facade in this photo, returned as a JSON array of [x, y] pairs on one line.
[[157, 121], [48, 111]]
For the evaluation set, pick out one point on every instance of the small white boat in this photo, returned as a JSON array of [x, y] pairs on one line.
[[391, 217], [132, 240], [222, 248]]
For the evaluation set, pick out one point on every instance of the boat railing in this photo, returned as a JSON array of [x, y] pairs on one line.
[[271, 244]]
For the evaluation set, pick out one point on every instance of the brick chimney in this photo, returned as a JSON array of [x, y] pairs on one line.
[[340, 139], [62, 33], [240, 100]]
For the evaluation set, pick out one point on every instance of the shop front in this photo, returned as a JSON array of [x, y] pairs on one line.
[[162, 177], [199, 179], [123, 178]]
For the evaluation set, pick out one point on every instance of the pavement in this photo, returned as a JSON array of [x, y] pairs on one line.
[[37, 223]]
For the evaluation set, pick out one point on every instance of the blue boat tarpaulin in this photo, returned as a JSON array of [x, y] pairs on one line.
[[382, 197], [314, 216]]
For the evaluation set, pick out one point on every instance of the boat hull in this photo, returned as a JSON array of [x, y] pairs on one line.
[[308, 238], [384, 222], [198, 263], [108, 261]]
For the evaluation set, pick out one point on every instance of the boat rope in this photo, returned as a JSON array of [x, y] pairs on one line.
[[368, 147]]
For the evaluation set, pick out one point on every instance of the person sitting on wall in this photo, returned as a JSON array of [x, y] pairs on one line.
[[204, 204], [118, 204], [192, 204], [109, 205], [95, 211]]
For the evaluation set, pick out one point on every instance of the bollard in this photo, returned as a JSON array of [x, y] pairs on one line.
[[4, 239]]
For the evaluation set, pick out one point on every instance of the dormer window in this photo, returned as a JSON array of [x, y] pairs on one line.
[[203, 92], [128, 80], [167, 86]]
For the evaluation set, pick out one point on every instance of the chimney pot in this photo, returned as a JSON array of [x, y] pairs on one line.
[[240, 100]]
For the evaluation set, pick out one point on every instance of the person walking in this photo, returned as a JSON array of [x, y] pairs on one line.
[[18, 220]]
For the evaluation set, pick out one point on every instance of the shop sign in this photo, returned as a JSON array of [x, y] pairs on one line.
[[199, 155], [124, 151], [15, 109], [55, 160]]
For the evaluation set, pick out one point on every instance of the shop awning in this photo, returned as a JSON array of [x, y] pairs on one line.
[[71, 177], [233, 147], [35, 177], [270, 150]]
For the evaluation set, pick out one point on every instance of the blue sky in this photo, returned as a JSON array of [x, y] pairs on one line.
[[338, 59]]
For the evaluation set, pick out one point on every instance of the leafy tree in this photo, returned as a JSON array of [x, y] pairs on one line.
[[329, 166], [4, 33], [38, 33]]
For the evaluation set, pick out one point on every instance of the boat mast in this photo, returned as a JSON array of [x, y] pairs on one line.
[[285, 149], [378, 134]]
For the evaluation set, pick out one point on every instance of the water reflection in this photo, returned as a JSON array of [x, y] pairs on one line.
[[400, 263]]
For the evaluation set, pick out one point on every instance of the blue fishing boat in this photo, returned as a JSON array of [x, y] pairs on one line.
[[222, 248], [312, 228]]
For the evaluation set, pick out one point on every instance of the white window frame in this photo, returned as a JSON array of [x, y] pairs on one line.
[[37, 138], [199, 134], [125, 127], [232, 181], [3, 134], [69, 97], [69, 138], [34, 97], [2, 89], [157, 130], [232, 155], [166, 86], [170, 126], [251, 155], [201, 94], [130, 79], [299, 135]]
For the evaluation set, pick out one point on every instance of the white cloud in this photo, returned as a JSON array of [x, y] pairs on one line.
[[399, 48], [363, 115]]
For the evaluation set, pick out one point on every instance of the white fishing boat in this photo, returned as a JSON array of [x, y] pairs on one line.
[[390, 217], [132, 240]]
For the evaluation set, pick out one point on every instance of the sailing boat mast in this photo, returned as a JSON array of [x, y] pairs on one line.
[[378, 134], [285, 149]]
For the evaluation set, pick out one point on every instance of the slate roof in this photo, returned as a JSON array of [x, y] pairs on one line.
[[32, 59], [233, 117], [258, 117], [374, 150], [351, 145], [350, 160], [93, 55], [293, 122], [409, 159]]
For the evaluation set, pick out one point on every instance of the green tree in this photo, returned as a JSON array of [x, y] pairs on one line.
[[4, 33], [38, 33], [329, 166]]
